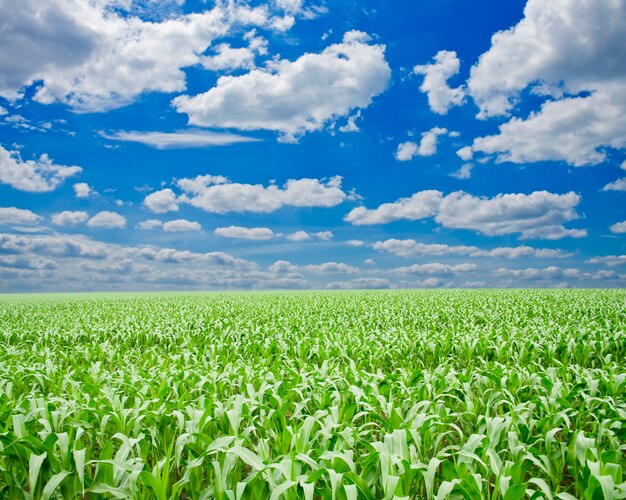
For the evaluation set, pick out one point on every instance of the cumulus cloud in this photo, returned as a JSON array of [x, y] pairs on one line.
[[69, 218], [436, 268], [12, 216], [608, 260], [245, 233], [572, 53], [180, 139], [228, 58], [295, 97], [441, 97], [355, 243], [107, 220], [299, 236], [331, 268], [150, 224], [35, 176], [412, 248], [83, 190], [532, 273], [619, 184], [181, 225], [324, 235], [27, 262], [218, 195], [283, 266], [421, 205], [94, 58], [539, 215], [536, 215], [304, 236], [465, 172], [618, 227], [161, 201], [55, 245], [427, 146]]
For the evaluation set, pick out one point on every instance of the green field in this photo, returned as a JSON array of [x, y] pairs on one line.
[[403, 394]]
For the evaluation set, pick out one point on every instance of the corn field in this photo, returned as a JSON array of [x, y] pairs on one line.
[[315, 395]]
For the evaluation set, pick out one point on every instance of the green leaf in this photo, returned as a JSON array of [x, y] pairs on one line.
[[53, 484], [34, 467]]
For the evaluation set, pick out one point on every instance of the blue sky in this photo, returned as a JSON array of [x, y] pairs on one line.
[[311, 144]]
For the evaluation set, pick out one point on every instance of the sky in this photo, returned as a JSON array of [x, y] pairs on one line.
[[298, 144]]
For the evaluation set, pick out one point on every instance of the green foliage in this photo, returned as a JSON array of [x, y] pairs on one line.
[[391, 395]]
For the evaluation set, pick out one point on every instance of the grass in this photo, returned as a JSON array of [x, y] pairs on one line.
[[344, 395]]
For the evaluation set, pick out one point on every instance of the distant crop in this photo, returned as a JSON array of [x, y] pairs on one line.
[[447, 394]]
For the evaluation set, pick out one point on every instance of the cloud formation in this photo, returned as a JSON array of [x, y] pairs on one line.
[[94, 58], [34, 176], [219, 195], [538, 215], [441, 97], [294, 97], [572, 53]]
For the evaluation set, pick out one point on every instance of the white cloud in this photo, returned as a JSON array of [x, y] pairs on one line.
[[355, 243], [351, 125], [149, 224], [228, 58], [94, 59], [324, 235], [427, 146], [537, 215], [304, 236], [571, 52], [282, 266], [57, 245], [421, 205], [465, 172], [465, 153], [294, 97], [161, 201], [69, 218], [202, 192], [441, 97], [12, 216], [531, 273], [618, 227], [172, 256], [436, 268], [412, 248], [572, 129], [618, 185], [83, 190], [609, 260], [246, 233], [181, 139], [330, 268], [28, 262], [107, 220], [181, 225], [35, 176], [299, 236]]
